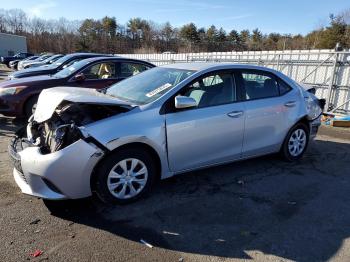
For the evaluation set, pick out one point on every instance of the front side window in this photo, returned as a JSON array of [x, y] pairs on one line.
[[104, 70], [259, 85], [149, 85], [211, 90], [131, 69]]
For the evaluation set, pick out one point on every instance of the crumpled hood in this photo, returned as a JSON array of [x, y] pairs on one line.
[[49, 99]]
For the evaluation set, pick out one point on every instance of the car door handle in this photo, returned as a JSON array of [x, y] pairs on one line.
[[290, 104], [235, 114]]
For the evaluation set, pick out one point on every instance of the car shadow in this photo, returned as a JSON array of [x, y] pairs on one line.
[[296, 211]]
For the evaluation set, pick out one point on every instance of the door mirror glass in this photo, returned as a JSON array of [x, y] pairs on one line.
[[79, 77], [184, 102]]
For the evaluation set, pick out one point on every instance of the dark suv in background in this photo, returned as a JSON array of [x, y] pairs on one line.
[[55, 67], [7, 59]]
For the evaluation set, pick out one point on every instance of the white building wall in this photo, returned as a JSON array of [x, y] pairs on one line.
[[12, 44]]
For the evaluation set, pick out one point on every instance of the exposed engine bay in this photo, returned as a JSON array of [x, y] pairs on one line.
[[62, 129]]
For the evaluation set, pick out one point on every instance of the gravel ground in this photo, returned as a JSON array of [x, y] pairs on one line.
[[263, 209]]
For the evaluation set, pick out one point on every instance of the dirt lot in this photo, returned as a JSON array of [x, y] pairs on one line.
[[262, 209]]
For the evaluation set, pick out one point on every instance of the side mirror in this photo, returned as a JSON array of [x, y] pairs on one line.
[[184, 102], [79, 77]]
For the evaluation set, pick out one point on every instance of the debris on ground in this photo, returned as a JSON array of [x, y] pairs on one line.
[[245, 233], [171, 233], [220, 240], [145, 243], [34, 222], [336, 121], [248, 233], [181, 259], [341, 123], [36, 253], [240, 182]]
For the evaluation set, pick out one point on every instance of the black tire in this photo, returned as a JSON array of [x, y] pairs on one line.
[[100, 180], [30, 105], [285, 151]]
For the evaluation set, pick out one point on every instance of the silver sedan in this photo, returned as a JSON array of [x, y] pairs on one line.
[[168, 120]]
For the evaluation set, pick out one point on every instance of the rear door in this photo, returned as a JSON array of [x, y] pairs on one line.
[[270, 105]]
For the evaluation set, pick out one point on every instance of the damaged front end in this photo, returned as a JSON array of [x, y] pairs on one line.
[[64, 126], [54, 158]]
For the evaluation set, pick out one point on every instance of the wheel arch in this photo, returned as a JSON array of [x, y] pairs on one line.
[[304, 120], [135, 145], [26, 101]]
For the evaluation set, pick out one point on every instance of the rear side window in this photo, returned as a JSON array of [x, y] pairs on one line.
[[284, 88], [131, 69], [259, 85]]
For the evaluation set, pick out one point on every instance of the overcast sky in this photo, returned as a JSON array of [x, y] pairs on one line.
[[283, 16]]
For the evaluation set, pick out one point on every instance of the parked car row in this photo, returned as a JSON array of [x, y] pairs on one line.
[[19, 95], [92, 134], [18, 57]]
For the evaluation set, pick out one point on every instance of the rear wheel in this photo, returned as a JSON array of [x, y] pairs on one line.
[[125, 176], [296, 142], [30, 106]]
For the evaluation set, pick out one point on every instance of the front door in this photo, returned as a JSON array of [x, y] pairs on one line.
[[99, 75], [210, 133]]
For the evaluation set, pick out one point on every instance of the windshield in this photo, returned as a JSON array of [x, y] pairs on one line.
[[44, 57], [149, 85], [70, 69], [51, 59], [61, 61]]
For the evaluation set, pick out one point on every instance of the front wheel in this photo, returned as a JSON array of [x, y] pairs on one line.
[[295, 143], [125, 176]]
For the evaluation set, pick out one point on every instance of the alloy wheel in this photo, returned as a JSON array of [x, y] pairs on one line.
[[297, 142], [127, 178]]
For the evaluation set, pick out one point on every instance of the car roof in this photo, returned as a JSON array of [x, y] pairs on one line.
[[115, 58], [87, 54], [199, 66]]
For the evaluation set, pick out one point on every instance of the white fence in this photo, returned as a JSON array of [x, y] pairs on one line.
[[327, 70]]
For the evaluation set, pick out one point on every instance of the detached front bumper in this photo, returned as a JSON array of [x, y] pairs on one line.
[[64, 174]]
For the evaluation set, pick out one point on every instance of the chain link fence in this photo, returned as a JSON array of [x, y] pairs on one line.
[[327, 70]]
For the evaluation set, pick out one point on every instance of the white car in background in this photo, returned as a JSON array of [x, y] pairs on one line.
[[22, 64], [46, 62]]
